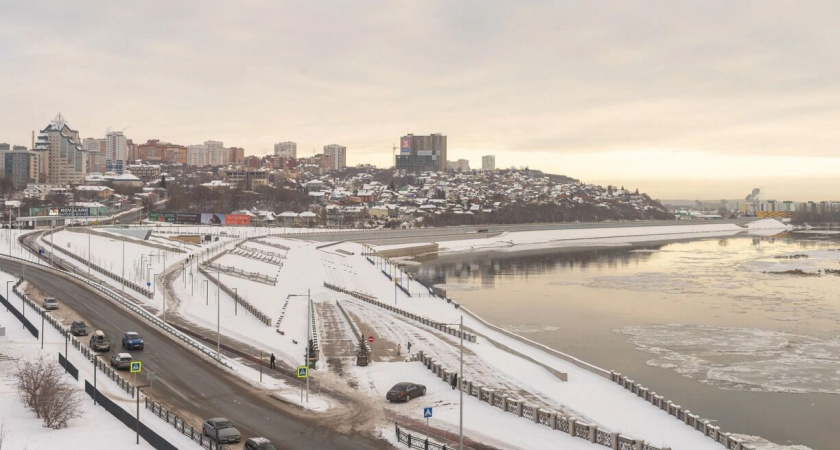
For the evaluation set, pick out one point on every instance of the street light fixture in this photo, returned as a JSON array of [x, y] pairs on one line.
[[308, 334]]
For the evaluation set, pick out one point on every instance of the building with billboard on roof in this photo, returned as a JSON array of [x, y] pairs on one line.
[[422, 153]]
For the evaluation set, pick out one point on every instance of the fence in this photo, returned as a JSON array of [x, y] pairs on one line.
[[68, 366], [252, 254], [693, 420], [404, 437], [551, 419], [282, 315], [425, 321], [252, 276], [261, 316], [178, 423], [271, 244], [262, 252], [20, 316], [154, 439], [141, 289], [166, 327]]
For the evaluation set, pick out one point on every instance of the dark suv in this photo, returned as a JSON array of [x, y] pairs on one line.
[[99, 343], [259, 443], [78, 328]]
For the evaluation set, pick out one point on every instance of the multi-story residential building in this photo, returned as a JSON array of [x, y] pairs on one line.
[[252, 162], [462, 165], [488, 162], [116, 152], [95, 154], [63, 160], [197, 155], [17, 165], [145, 172], [422, 153], [338, 156], [217, 154], [156, 151], [286, 149], [237, 155], [247, 179]]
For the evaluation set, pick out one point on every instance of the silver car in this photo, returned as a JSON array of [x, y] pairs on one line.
[[221, 430], [50, 303]]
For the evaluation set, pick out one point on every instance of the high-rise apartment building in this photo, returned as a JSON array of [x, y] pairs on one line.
[[210, 153], [338, 156], [116, 152], [462, 165], [156, 151], [285, 149], [488, 162], [422, 153], [16, 164], [237, 156], [95, 149], [63, 160]]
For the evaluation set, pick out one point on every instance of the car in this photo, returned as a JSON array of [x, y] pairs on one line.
[[132, 341], [404, 392], [121, 361], [50, 303], [78, 328], [483, 230], [221, 430], [259, 443], [99, 343]]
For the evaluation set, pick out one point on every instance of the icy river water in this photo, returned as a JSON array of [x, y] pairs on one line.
[[702, 322]]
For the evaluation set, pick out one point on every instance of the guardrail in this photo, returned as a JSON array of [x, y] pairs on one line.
[[248, 253], [416, 442], [20, 315], [693, 420], [271, 244], [179, 424], [252, 276], [153, 320], [256, 312], [263, 252], [425, 321]]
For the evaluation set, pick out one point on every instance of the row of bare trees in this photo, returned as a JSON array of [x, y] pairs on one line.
[[44, 390]]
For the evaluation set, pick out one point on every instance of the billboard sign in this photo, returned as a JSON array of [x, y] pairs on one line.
[[162, 217], [405, 144], [237, 219], [69, 212], [212, 219], [188, 218]]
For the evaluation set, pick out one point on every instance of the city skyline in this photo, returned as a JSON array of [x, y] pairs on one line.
[[704, 101]]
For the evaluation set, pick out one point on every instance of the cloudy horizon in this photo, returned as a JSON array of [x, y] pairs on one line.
[[683, 100]]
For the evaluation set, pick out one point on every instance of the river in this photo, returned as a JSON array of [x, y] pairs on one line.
[[702, 322]]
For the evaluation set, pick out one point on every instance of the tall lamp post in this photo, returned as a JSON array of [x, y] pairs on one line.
[[308, 334], [236, 302], [206, 293], [123, 267], [7, 291], [218, 313]]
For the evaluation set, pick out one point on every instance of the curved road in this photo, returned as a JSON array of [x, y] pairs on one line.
[[187, 381]]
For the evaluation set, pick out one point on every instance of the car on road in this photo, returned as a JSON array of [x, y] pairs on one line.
[[221, 430], [404, 392], [259, 443], [78, 328], [99, 343], [121, 361], [132, 341], [50, 303], [483, 230]]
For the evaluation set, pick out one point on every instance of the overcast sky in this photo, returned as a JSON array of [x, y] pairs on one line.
[[688, 100]]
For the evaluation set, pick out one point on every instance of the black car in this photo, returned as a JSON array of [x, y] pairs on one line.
[[259, 443], [79, 328], [403, 392]]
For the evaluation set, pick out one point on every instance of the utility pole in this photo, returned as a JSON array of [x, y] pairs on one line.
[[218, 313], [461, 389]]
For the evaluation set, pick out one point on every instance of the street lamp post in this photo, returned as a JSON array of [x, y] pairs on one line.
[[236, 302], [137, 426], [90, 257], [206, 293], [7, 291], [461, 389], [123, 267], [218, 313], [308, 333]]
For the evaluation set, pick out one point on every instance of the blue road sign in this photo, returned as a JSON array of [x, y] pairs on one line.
[[302, 372], [135, 366], [148, 283], [427, 412]]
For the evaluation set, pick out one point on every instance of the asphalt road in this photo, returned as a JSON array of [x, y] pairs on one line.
[[186, 381]]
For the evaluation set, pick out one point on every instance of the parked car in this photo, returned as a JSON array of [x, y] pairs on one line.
[[99, 343], [132, 341], [121, 361], [403, 392], [221, 430], [259, 443], [79, 328], [50, 303]]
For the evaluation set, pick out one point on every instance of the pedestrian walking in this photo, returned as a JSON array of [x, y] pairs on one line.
[[399, 348], [271, 361], [409, 347], [454, 380]]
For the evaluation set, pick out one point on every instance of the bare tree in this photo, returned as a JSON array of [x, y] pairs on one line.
[[43, 390]]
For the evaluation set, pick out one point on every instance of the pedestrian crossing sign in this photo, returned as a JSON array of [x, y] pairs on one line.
[[427, 412], [135, 366], [302, 372]]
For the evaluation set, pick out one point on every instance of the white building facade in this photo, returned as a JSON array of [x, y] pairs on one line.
[[338, 156]]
